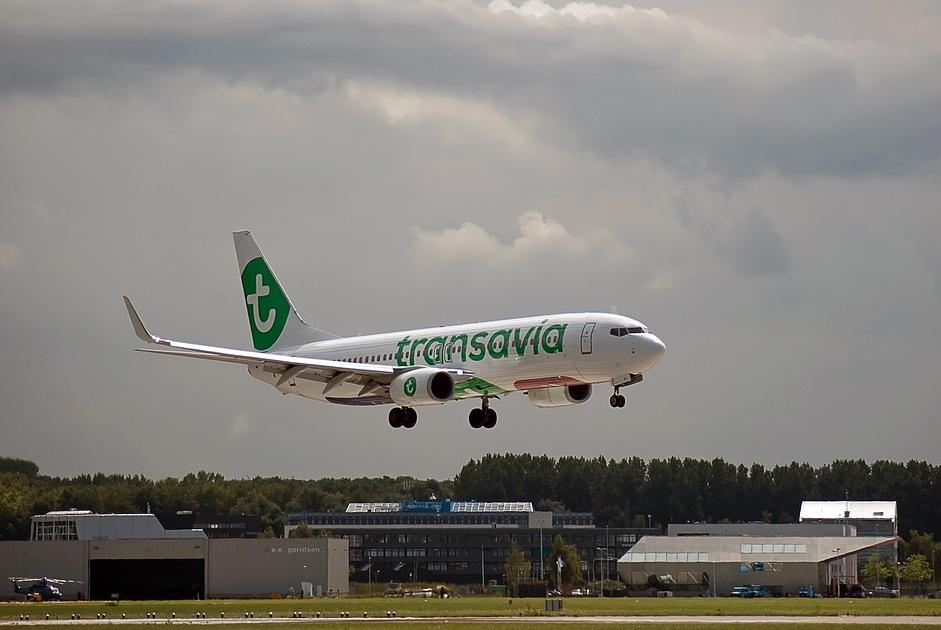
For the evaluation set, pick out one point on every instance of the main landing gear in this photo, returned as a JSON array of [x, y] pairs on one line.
[[484, 417], [402, 417]]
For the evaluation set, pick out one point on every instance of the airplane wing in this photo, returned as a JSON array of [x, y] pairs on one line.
[[290, 367]]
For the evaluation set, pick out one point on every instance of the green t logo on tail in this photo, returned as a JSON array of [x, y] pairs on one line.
[[267, 305]]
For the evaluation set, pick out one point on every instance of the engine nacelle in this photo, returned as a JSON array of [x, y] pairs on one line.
[[560, 396], [424, 386]]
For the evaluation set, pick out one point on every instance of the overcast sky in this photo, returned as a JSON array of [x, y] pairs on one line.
[[760, 185]]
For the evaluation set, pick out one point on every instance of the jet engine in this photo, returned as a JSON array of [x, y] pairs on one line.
[[423, 386], [560, 396]]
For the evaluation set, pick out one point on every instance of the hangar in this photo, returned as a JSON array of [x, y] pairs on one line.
[[131, 556], [712, 565]]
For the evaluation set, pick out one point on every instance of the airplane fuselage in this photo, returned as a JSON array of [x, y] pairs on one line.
[[504, 356]]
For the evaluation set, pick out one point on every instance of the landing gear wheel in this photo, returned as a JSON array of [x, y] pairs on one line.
[[396, 417], [490, 419], [410, 417], [476, 418], [617, 400]]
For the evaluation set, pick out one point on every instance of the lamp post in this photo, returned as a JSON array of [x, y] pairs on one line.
[[604, 561], [483, 588], [542, 558]]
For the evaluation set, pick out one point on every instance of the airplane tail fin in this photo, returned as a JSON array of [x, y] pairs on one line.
[[272, 317]]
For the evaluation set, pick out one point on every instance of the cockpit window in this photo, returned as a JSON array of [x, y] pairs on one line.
[[620, 332]]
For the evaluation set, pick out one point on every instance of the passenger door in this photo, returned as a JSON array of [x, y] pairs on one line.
[[587, 331]]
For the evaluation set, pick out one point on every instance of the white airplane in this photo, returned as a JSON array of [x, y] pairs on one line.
[[554, 359]]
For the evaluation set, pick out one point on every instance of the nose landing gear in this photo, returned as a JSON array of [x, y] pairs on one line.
[[484, 417], [617, 400]]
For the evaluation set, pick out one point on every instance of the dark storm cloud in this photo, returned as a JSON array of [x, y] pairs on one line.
[[668, 88]]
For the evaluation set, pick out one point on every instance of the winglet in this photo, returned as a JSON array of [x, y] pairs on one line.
[[139, 329]]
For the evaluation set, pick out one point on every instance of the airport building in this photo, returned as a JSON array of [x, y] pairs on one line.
[[132, 556], [84, 525], [713, 565], [463, 542], [868, 518], [802, 530], [239, 526]]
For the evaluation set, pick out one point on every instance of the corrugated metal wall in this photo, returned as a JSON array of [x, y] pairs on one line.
[[234, 567]]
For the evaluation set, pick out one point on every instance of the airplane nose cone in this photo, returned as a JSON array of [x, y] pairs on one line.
[[650, 348], [659, 348]]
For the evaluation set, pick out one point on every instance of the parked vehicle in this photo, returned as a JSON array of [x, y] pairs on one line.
[[756, 590], [884, 591], [739, 591], [807, 590], [856, 590]]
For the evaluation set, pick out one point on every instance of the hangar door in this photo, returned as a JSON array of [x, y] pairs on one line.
[[147, 579]]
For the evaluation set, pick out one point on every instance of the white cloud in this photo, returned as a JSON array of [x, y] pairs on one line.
[[538, 238], [582, 11], [404, 106]]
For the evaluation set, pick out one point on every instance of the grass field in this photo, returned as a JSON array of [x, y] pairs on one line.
[[437, 625], [479, 606]]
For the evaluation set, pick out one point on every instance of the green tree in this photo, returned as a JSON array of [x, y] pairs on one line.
[[571, 562], [515, 568], [915, 570], [551, 505], [876, 570], [303, 531], [22, 466]]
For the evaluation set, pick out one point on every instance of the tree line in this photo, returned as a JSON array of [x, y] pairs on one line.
[[631, 492], [620, 493]]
